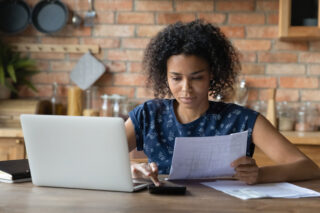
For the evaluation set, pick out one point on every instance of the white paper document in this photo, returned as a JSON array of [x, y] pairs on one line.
[[204, 157], [269, 190]]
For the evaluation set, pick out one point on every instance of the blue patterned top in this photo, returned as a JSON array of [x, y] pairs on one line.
[[156, 127]]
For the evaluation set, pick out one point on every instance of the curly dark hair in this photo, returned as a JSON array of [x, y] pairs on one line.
[[194, 38]]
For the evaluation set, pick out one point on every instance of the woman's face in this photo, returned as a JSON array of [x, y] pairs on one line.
[[188, 79]]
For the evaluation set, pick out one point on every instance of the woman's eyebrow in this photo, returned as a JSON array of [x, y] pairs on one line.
[[194, 73]]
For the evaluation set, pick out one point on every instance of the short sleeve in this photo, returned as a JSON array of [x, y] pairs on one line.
[[136, 115]]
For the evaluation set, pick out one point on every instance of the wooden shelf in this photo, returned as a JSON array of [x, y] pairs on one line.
[[55, 48]]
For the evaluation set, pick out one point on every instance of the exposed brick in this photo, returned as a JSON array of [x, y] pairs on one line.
[[129, 79], [195, 6], [18, 39], [49, 78], [264, 95], [253, 95], [116, 66], [310, 95], [105, 80], [104, 17], [149, 31], [125, 55], [215, 18], [247, 56], [59, 40], [235, 5], [144, 5], [43, 91], [286, 69], [299, 82], [277, 57], [126, 91], [77, 56], [233, 31], [103, 42], [261, 82], [315, 45], [42, 65], [262, 32], [135, 42], [170, 18], [287, 95], [114, 30], [40, 55], [135, 18], [252, 69], [109, 5], [144, 92], [252, 45], [267, 5], [291, 45], [246, 18], [314, 70], [62, 65], [69, 30], [272, 18], [135, 67], [310, 57]]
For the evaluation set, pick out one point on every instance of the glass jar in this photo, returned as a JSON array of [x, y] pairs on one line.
[[286, 117], [91, 107], [114, 106], [105, 108], [241, 93], [306, 118]]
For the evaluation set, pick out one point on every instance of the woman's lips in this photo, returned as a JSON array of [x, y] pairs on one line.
[[186, 100]]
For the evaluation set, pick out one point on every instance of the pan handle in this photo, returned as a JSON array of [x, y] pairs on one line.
[[91, 2]]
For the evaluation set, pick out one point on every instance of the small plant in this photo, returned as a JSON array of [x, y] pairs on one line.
[[15, 68]]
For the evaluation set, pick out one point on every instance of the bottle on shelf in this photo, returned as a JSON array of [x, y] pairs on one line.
[[57, 107]]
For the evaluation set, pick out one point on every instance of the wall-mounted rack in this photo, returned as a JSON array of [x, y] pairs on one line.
[[55, 48]]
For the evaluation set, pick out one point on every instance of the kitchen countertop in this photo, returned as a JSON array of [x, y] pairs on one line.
[[301, 138]]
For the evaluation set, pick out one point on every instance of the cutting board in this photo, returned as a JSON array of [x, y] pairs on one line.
[[10, 111]]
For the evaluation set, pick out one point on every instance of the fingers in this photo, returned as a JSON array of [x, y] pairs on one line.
[[246, 170], [243, 160], [146, 170]]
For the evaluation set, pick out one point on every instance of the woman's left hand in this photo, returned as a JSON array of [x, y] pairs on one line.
[[246, 170]]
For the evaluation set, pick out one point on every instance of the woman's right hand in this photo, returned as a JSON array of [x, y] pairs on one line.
[[146, 170]]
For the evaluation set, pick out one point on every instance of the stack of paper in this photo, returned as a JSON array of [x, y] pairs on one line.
[[270, 190]]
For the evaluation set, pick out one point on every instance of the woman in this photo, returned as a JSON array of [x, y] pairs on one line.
[[188, 62]]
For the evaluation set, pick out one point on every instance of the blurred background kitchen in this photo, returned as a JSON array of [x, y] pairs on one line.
[[277, 41]]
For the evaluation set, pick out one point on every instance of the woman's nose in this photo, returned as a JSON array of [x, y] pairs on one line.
[[186, 85]]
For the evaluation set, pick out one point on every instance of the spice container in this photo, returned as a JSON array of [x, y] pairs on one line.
[[305, 118], [91, 108], [114, 106], [286, 117]]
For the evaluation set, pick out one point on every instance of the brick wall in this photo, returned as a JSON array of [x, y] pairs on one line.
[[124, 27]]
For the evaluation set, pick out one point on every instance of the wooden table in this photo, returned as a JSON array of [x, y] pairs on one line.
[[25, 197]]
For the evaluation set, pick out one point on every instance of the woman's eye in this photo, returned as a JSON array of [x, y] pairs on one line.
[[176, 79], [197, 78]]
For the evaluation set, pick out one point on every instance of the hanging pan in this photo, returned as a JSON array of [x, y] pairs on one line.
[[49, 16], [14, 16]]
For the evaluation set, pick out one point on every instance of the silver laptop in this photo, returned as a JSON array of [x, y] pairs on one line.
[[78, 152]]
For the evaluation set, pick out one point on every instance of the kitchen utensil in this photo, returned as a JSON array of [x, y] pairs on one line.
[[49, 16], [76, 20], [87, 71], [14, 16], [90, 15]]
